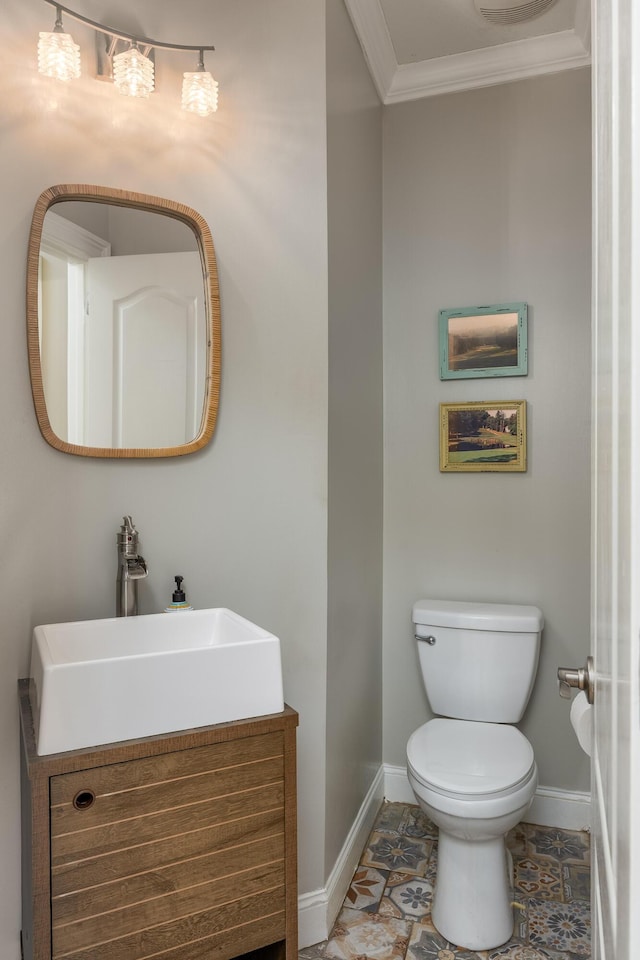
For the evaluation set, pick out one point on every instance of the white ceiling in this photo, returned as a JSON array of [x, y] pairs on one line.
[[419, 48]]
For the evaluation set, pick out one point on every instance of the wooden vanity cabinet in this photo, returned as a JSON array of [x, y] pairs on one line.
[[176, 847]]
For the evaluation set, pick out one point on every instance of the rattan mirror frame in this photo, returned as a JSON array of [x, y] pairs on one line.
[[138, 201]]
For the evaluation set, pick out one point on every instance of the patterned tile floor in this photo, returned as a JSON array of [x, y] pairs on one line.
[[387, 912]]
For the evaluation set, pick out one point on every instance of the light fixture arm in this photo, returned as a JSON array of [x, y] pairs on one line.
[[122, 35]]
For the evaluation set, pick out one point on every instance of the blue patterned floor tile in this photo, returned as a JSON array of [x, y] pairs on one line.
[[316, 952], [563, 845], [411, 896], [576, 882], [427, 944], [390, 817], [517, 840], [356, 935], [538, 877], [519, 951], [366, 889], [416, 824], [394, 852], [563, 927]]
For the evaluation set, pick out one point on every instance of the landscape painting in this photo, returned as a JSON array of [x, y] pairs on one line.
[[479, 437], [489, 341]]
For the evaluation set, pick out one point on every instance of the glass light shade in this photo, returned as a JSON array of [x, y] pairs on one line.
[[200, 93], [133, 73], [58, 56]]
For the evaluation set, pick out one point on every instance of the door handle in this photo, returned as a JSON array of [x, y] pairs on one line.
[[581, 679]]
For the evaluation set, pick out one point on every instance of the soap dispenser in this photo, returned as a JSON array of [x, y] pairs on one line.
[[179, 599]]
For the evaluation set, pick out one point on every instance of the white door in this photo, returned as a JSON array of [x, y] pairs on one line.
[[616, 480], [145, 350]]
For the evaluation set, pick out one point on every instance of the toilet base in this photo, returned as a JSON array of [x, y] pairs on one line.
[[472, 899]]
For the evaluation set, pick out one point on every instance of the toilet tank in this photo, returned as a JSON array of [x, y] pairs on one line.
[[482, 660]]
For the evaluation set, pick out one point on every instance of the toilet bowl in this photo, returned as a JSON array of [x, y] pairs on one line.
[[475, 781], [472, 771]]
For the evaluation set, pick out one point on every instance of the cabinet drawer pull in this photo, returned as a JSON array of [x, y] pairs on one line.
[[84, 799]]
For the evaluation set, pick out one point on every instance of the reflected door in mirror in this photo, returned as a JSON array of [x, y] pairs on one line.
[[145, 346]]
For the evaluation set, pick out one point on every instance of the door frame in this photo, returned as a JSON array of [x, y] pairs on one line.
[[615, 612]]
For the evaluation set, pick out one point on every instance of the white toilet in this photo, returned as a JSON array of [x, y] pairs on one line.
[[472, 772]]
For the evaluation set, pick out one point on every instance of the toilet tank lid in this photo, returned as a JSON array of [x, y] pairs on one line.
[[507, 617]]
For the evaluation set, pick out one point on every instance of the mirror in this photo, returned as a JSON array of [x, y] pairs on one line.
[[123, 323]]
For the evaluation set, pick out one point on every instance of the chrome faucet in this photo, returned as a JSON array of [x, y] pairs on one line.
[[131, 568]]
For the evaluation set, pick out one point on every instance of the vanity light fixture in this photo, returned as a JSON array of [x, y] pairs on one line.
[[200, 90], [127, 59], [133, 72], [58, 55]]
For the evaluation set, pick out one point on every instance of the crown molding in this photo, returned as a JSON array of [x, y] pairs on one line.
[[488, 66], [371, 27], [485, 67], [582, 25]]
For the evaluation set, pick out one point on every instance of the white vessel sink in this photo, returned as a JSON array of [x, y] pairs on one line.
[[102, 681]]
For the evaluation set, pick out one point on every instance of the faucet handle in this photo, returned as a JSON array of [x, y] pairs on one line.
[[128, 535]]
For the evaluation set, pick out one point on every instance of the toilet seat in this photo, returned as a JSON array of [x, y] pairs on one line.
[[470, 760]]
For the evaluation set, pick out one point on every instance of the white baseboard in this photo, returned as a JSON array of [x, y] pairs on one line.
[[567, 809], [397, 788], [313, 924], [317, 910]]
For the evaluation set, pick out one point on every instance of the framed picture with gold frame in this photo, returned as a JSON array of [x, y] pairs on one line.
[[483, 436]]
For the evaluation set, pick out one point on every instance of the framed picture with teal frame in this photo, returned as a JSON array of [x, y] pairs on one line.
[[487, 341]]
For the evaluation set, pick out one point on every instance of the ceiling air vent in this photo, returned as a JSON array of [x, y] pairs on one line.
[[511, 11]]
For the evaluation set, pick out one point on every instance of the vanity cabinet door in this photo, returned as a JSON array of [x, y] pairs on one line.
[[179, 856]]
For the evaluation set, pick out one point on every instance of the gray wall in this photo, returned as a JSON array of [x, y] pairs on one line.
[[129, 231], [487, 200], [136, 231], [245, 520], [354, 641]]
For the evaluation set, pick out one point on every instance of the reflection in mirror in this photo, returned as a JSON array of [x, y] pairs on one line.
[[123, 316]]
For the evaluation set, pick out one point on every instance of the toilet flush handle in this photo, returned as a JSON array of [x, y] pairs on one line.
[[582, 679], [430, 640]]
